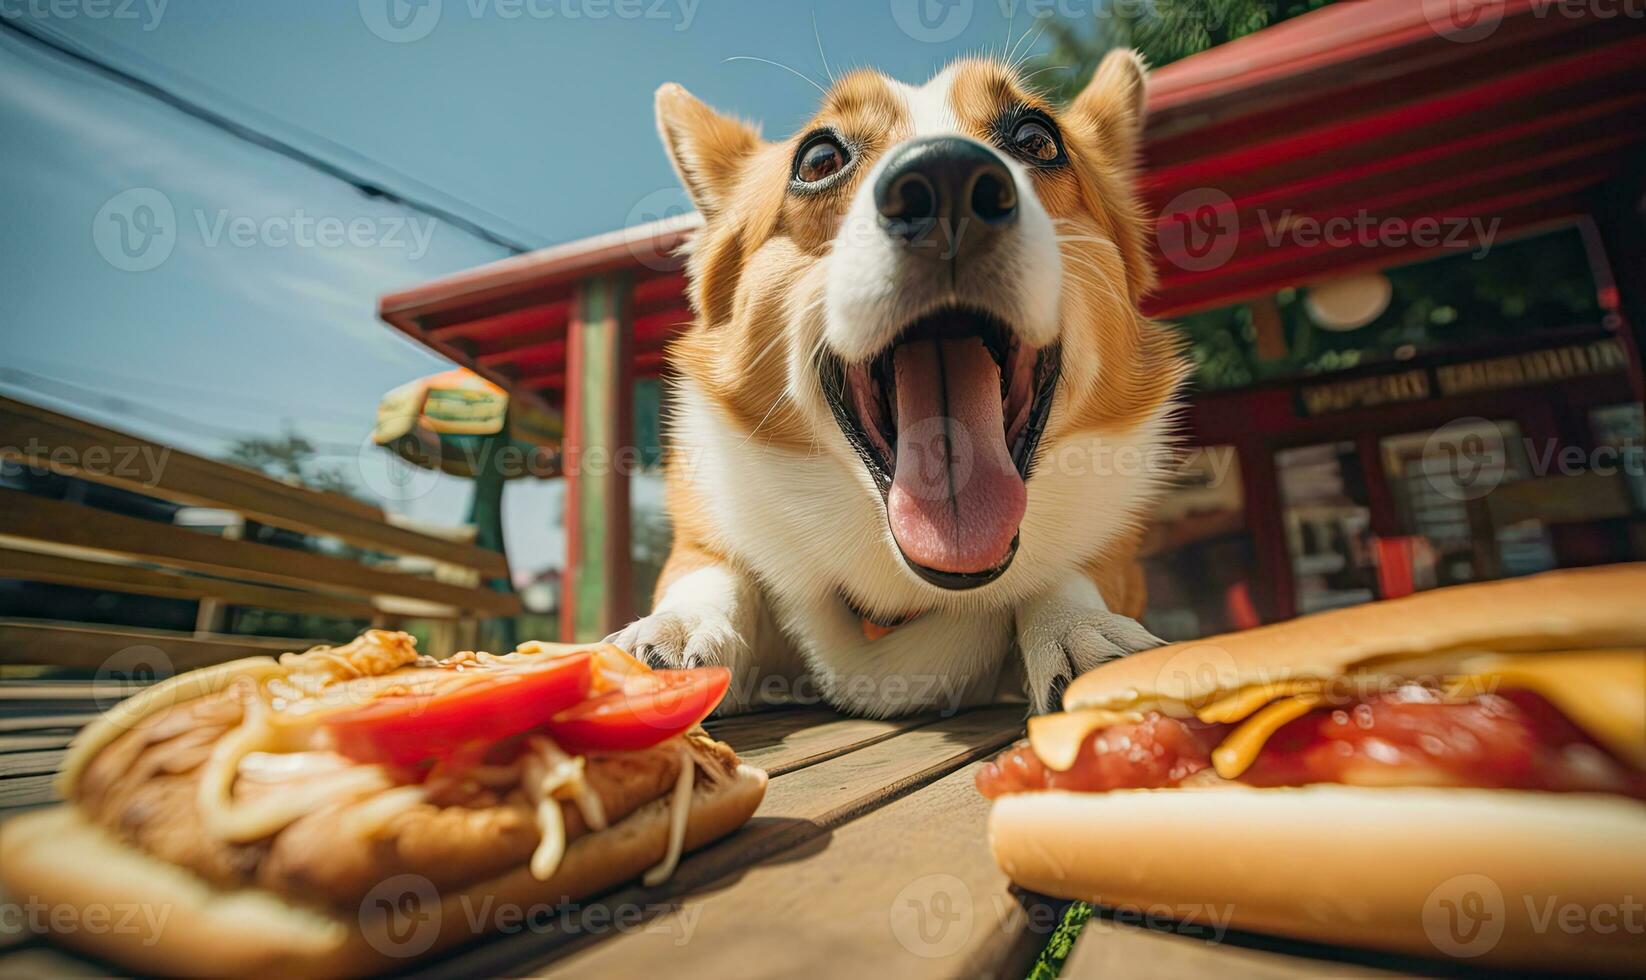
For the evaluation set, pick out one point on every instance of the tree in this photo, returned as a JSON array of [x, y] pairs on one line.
[[291, 457], [1164, 31]]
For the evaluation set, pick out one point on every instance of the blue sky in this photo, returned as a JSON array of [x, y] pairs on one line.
[[171, 279]]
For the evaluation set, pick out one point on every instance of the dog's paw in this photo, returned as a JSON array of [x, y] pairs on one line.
[[1067, 633], [674, 639]]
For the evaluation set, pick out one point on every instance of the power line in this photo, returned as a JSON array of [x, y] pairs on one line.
[[121, 404], [236, 401], [80, 54]]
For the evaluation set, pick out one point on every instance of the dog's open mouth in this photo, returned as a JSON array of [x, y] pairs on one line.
[[947, 419]]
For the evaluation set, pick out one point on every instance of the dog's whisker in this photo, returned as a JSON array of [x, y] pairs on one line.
[[1017, 62], [1011, 19], [1013, 49], [778, 64], [1041, 71], [818, 36]]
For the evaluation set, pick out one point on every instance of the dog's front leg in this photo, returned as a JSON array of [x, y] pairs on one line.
[[1068, 631], [711, 615]]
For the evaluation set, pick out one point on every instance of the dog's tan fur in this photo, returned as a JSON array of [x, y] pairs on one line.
[[758, 283]]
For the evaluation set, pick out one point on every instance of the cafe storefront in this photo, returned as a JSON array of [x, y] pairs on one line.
[[1465, 418]]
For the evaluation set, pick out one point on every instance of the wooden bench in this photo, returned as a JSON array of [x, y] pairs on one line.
[[423, 575]]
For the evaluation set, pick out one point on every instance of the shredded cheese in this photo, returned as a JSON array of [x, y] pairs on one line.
[[367, 819], [152, 700], [679, 811], [549, 773], [1236, 753], [271, 812], [552, 845]]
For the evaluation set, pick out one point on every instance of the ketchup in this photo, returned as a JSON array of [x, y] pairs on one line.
[[1409, 737]]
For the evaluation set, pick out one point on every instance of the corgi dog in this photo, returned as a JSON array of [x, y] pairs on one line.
[[917, 423]]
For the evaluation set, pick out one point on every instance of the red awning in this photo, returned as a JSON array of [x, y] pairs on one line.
[[1373, 110]]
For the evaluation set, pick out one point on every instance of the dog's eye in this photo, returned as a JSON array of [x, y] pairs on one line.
[[1034, 139], [822, 157]]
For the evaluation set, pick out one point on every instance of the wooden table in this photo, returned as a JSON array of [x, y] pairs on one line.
[[867, 859]]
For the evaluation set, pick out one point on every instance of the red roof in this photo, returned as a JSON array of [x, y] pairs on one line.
[[1391, 109]]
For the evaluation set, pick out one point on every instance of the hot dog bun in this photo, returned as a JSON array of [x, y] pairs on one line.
[[57, 857], [1476, 876], [1578, 609]]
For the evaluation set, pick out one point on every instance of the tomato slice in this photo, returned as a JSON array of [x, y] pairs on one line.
[[405, 729], [646, 710]]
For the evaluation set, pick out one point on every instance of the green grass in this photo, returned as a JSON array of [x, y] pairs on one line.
[[1050, 962]]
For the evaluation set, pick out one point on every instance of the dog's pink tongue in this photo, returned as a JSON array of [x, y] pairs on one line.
[[956, 498]]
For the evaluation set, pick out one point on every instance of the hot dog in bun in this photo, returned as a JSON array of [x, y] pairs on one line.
[[261, 804], [1432, 775]]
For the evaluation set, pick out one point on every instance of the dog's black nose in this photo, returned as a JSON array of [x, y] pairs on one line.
[[945, 196]]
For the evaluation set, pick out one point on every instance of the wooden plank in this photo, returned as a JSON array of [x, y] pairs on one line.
[[27, 723], [26, 791], [36, 960], [78, 448], [32, 566], [801, 806], [42, 762], [35, 518], [909, 890], [91, 647], [782, 741], [72, 689], [32, 742], [1108, 948]]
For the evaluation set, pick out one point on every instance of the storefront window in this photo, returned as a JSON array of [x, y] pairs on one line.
[[1198, 554], [1328, 525], [1441, 481]]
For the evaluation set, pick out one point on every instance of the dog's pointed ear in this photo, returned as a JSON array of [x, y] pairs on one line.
[[706, 148], [1114, 100]]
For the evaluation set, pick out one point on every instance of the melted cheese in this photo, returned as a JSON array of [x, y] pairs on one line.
[[1236, 753], [1602, 692], [1056, 738], [1243, 702], [680, 808]]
